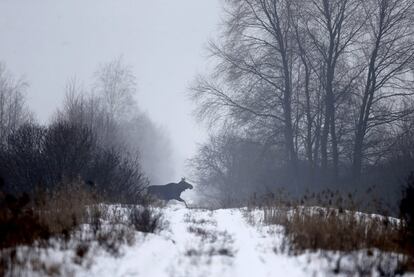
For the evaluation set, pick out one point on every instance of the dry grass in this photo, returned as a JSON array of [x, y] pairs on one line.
[[72, 217], [212, 243], [20, 224], [314, 228], [145, 219], [113, 238], [330, 222], [65, 208]]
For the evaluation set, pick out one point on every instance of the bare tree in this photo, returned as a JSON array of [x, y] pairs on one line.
[[309, 88], [85, 108], [229, 167], [116, 120], [328, 81], [389, 52], [333, 27], [13, 109], [253, 78], [116, 86]]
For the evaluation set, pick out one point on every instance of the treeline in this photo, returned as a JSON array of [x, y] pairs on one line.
[[99, 135], [309, 94]]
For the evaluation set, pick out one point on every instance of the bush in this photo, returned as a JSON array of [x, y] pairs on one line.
[[407, 213], [43, 157], [145, 219], [23, 221], [111, 239], [19, 223]]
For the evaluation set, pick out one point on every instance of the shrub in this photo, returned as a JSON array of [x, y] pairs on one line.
[[112, 238], [42, 157], [23, 221], [407, 213], [145, 219], [19, 224]]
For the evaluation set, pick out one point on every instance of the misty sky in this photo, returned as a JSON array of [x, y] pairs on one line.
[[49, 41]]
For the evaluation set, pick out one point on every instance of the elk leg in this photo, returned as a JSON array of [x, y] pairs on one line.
[[182, 200]]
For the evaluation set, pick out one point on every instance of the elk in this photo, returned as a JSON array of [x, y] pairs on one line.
[[170, 191]]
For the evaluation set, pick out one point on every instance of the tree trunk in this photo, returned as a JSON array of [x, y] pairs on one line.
[[324, 141], [364, 113]]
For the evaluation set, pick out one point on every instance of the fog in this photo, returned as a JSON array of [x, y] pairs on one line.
[[49, 42], [291, 121]]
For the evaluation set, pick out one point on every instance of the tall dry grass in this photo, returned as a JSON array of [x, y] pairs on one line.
[[329, 221], [65, 208], [72, 215]]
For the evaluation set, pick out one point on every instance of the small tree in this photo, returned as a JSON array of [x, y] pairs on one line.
[[13, 109]]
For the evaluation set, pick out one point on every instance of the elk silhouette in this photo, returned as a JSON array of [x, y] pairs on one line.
[[170, 191]]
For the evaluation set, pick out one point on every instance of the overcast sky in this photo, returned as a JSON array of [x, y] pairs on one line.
[[50, 41]]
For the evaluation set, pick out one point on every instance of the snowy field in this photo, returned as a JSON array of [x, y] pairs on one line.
[[198, 242], [203, 243]]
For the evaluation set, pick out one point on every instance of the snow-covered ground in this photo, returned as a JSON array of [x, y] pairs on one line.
[[198, 242], [202, 243]]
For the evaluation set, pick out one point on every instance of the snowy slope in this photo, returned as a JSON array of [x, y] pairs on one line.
[[212, 243], [199, 242]]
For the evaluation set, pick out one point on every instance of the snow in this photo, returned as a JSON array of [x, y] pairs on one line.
[[200, 242]]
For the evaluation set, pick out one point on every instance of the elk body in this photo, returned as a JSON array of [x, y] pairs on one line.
[[171, 191]]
